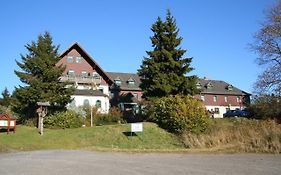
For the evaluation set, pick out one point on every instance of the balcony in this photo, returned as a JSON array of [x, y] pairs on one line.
[[81, 79]]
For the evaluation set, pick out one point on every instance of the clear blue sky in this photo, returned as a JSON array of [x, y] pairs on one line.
[[116, 33]]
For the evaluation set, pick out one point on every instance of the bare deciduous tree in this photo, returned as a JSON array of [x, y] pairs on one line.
[[268, 45]]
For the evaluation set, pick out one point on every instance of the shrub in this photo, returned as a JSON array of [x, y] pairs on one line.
[[266, 107], [179, 113], [65, 119], [114, 116]]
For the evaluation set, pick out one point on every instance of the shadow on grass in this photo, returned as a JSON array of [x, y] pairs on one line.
[[129, 135], [4, 130]]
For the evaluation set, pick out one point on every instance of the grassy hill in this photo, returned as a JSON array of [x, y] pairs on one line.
[[108, 137], [227, 136]]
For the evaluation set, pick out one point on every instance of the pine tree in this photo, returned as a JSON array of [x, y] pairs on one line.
[[164, 71], [6, 98], [41, 76]]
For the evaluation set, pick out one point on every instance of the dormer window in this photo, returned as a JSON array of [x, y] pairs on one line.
[[131, 81], [209, 85], [96, 76], [78, 59], [229, 87], [198, 85], [117, 81], [69, 59]]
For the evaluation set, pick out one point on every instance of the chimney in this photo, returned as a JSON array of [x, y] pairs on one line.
[[206, 78]]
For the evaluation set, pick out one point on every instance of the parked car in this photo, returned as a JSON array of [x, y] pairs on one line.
[[236, 113]]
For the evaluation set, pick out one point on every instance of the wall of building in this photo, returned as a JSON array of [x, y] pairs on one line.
[[232, 100], [78, 67], [218, 111], [218, 104], [79, 101]]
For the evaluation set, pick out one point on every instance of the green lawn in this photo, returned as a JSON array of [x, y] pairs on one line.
[[108, 137]]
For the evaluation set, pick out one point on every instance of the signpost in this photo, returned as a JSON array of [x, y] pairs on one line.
[[137, 127], [42, 112], [7, 122]]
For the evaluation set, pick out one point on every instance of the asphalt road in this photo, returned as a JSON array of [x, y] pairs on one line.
[[61, 162]]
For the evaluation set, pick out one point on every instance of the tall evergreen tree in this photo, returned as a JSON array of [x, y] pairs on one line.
[[41, 76], [164, 71], [6, 98]]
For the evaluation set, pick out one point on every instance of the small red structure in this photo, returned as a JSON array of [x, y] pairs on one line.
[[7, 122]]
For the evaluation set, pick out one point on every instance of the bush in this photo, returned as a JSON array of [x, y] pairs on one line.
[[114, 116], [65, 119], [179, 113], [266, 107]]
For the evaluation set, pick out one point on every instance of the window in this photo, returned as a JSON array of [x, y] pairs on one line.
[[131, 82], [69, 59], [101, 89], [198, 85], [209, 85], [86, 102], [84, 74], [78, 59], [238, 99], [98, 103], [72, 103], [202, 97], [96, 76], [217, 110], [230, 87], [225, 99], [215, 98], [135, 95], [117, 81], [71, 73]]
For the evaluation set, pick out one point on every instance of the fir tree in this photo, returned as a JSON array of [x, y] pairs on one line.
[[164, 71], [41, 76], [6, 98]]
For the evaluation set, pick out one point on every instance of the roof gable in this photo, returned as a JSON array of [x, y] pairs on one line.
[[89, 59]]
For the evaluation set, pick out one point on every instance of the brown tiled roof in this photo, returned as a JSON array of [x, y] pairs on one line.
[[219, 87], [125, 78]]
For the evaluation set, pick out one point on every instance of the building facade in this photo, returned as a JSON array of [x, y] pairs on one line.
[[219, 96], [91, 82], [95, 87], [125, 91]]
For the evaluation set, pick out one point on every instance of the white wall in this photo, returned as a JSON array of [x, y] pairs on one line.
[[79, 101], [105, 89], [222, 110]]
